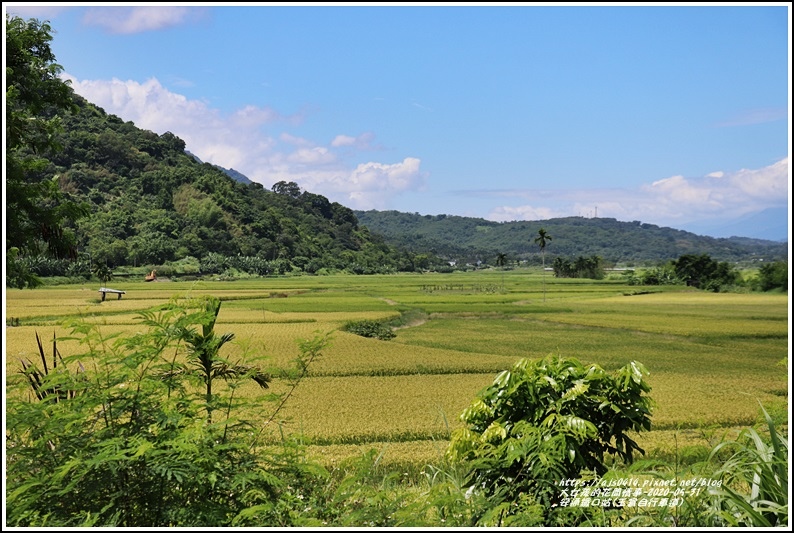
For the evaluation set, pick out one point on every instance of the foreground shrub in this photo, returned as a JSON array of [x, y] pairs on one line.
[[546, 421], [132, 432], [743, 482]]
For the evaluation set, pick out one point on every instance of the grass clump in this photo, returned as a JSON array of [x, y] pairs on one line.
[[369, 328]]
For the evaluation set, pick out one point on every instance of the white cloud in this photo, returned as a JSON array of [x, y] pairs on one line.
[[768, 183], [246, 140], [295, 141], [127, 20], [756, 116], [42, 12], [370, 185], [362, 142], [377, 176], [252, 116], [677, 190], [721, 193], [525, 212], [343, 140], [212, 137], [670, 201], [312, 156]]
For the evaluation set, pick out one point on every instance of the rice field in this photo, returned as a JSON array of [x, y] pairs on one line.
[[712, 357]]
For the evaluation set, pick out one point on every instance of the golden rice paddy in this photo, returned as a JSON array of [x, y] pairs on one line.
[[713, 358]]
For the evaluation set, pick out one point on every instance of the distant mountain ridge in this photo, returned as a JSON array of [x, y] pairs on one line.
[[771, 224], [735, 245], [236, 176], [471, 239], [615, 241]]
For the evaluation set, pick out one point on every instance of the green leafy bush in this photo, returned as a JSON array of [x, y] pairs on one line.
[[545, 421], [370, 328], [774, 276], [660, 275], [135, 435], [703, 272]]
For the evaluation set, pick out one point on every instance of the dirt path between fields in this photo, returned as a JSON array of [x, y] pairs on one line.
[[411, 324]]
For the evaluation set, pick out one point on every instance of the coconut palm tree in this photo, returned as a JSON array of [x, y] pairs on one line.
[[542, 240]]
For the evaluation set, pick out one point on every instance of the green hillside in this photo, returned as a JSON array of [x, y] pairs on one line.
[[88, 192], [472, 239], [151, 202]]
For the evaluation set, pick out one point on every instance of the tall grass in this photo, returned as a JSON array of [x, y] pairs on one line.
[[754, 490]]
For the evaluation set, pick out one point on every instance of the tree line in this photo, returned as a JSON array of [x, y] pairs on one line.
[[468, 239], [693, 270]]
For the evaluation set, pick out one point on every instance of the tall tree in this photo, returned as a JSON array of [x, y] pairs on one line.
[[703, 272], [542, 240], [36, 209], [501, 260]]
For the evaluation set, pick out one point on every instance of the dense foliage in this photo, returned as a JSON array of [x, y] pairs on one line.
[[774, 276], [703, 272], [581, 267], [467, 239], [369, 328], [37, 210], [124, 434], [153, 203], [549, 420], [659, 275]]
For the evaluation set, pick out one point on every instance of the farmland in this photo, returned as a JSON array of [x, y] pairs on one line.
[[712, 357]]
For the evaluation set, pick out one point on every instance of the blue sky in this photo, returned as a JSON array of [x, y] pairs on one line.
[[670, 115]]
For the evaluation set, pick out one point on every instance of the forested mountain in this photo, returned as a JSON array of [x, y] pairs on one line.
[[152, 202], [87, 192], [472, 239]]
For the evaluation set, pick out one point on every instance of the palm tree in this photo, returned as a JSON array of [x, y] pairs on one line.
[[203, 352], [102, 271], [542, 239], [501, 260]]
